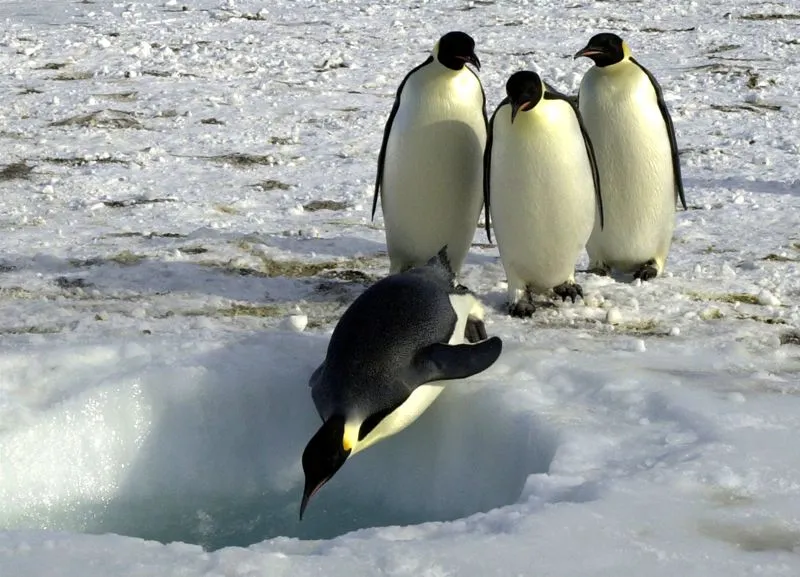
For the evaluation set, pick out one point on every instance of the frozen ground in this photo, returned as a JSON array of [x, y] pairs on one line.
[[160, 167]]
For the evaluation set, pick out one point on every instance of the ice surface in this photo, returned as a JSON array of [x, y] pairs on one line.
[[196, 186]]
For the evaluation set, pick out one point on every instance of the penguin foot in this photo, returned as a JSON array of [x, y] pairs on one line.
[[475, 331], [569, 290], [521, 309], [647, 271]]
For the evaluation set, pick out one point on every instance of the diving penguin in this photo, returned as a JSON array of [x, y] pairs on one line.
[[430, 164], [386, 361], [541, 189], [630, 127]]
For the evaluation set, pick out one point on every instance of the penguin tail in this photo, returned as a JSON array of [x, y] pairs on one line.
[[441, 260]]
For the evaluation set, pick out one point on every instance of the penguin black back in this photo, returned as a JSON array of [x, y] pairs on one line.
[[384, 328]]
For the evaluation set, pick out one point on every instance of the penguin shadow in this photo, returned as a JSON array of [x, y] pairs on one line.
[[750, 185], [108, 275], [340, 246], [590, 276], [220, 464], [497, 301]]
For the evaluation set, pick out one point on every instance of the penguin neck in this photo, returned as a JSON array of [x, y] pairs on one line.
[[350, 437], [443, 69], [394, 422], [435, 55], [614, 66]]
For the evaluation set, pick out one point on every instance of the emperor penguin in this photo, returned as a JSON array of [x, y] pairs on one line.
[[541, 189], [430, 164], [630, 127], [387, 361]]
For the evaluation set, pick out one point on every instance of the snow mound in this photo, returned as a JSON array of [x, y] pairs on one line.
[[201, 443]]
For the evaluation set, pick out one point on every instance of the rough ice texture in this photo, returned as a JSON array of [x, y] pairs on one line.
[[177, 185]]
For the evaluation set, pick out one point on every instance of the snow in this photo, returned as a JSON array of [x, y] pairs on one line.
[[167, 287]]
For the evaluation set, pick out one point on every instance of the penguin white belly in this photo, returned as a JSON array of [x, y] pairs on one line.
[[631, 144], [402, 416], [422, 397], [431, 192], [542, 194]]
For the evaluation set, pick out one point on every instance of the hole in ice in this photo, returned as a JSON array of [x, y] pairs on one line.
[[205, 448]]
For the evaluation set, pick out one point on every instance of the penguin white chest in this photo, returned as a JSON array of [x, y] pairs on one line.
[[465, 306], [431, 191], [420, 399], [621, 114], [542, 193]]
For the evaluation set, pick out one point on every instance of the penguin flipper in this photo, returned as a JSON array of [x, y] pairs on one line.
[[487, 171], [386, 132], [593, 163], [441, 362], [673, 143], [553, 94], [316, 375]]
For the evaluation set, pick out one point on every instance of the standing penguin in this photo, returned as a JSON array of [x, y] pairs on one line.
[[541, 188], [637, 156], [430, 163], [386, 361]]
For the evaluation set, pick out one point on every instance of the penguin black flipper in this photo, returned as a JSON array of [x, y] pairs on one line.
[[673, 142], [442, 362], [316, 375], [487, 173], [388, 129], [552, 94]]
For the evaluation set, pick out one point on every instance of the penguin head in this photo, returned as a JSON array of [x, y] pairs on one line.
[[605, 49], [324, 455], [455, 49], [524, 89]]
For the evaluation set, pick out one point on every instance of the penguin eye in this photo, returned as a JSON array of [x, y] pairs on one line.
[[372, 421]]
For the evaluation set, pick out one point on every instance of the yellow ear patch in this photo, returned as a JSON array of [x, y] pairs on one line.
[[350, 436], [435, 50], [626, 51]]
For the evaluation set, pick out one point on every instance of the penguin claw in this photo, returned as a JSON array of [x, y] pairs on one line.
[[569, 290], [521, 309], [475, 331], [646, 272]]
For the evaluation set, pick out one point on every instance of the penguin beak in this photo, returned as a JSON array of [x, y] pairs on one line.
[[473, 59], [322, 457], [309, 491], [517, 106], [314, 484], [587, 51]]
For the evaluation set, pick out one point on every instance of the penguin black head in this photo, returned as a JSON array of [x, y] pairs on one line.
[[324, 455], [605, 49], [456, 49], [524, 90]]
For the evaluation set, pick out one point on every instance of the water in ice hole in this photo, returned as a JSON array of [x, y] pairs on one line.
[[219, 463]]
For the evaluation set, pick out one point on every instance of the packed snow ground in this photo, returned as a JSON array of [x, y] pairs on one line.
[[161, 229]]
